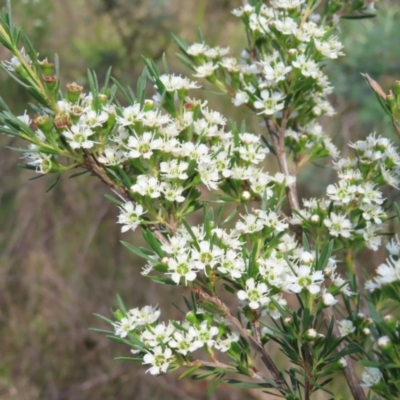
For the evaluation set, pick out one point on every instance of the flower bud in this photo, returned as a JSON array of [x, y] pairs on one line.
[[315, 218], [102, 98], [191, 317], [46, 67], [385, 344], [328, 299], [50, 81], [306, 258], [44, 123], [62, 121], [310, 334], [73, 92], [366, 331], [148, 105], [118, 315], [390, 322], [339, 364], [391, 101], [246, 195]]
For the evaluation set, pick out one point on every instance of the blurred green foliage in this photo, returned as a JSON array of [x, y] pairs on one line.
[[61, 257]]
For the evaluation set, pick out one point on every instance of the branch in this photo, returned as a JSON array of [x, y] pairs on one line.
[[278, 143], [91, 165], [265, 357], [349, 371]]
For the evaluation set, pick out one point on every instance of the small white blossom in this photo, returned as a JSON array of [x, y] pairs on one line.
[[371, 376], [130, 216], [346, 327], [159, 359], [256, 294]]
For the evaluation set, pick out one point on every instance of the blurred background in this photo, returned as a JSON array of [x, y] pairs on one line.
[[61, 260]]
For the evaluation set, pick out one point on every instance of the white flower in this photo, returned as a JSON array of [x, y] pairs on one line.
[[338, 225], [112, 156], [160, 360], [240, 98], [173, 192], [174, 82], [232, 263], [371, 376], [305, 279], [343, 193], [184, 342], [269, 103], [330, 48], [143, 146], [346, 327], [173, 169], [286, 4], [250, 224], [15, 62], [92, 119], [130, 115], [77, 136], [205, 70], [130, 216], [328, 299], [307, 67], [176, 245], [123, 327], [208, 173], [275, 73], [196, 49], [145, 315], [286, 26], [181, 267], [225, 344], [206, 256], [158, 335], [256, 294], [147, 186], [271, 308], [231, 64], [203, 335]]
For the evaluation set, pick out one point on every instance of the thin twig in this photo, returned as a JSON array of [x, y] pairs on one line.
[[349, 371], [278, 143], [265, 357], [91, 165]]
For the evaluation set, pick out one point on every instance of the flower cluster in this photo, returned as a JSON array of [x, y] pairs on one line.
[[353, 209], [161, 344], [272, 81]]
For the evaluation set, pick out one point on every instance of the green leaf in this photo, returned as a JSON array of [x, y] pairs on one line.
[[349, 349], [105, 319], [153, 242], [306, 243], [128, 358], [136, 250], [113, 200], [54, 183], [189, 372], [245, 385], [325, 255], [121, 304]]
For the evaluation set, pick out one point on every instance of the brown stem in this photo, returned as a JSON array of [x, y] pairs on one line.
[[307, 384], [277, 136], [349, 371], [265, 357], [91, 165]]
